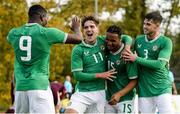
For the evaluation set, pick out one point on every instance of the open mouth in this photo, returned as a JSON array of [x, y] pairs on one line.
[[89, 34]]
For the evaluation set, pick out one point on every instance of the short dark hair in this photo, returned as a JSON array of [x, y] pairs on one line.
[[89, 18], [155, 16], [114, 29], [36, 10]]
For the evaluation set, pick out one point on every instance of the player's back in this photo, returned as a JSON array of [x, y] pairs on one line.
[[31, 56]]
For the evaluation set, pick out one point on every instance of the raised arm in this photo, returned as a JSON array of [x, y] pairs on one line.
[[76, 27]]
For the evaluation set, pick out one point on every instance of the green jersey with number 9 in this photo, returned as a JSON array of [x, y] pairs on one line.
[[31, 43]]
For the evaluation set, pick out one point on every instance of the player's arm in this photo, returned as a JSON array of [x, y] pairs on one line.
[[77, 37], [116, 97], [55, 35], [81, 76], [127, 40], [163, 57], [132, 73]]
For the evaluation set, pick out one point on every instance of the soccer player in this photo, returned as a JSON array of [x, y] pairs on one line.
[[89, 69], [31, 43], [121, 91], [153, 53]]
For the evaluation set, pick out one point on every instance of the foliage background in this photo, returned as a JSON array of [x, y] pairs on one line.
[[13, 13]]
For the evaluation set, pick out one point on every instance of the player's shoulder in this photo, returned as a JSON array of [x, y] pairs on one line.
[[125, 36], [165, 38], [142, 36], [78, 48]]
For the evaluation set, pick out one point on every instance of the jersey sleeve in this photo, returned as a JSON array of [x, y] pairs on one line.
[[76, 60], [126, 39], [166, 50], [55, 36], [10, 35], [132, 70]]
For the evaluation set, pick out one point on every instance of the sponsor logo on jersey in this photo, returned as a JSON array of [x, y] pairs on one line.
[[139, 45], [118, 62], [102, 47], [155, 48], [86, 53]]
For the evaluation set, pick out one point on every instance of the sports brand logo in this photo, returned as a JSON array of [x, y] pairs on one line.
[[86, 53], [139, 45]]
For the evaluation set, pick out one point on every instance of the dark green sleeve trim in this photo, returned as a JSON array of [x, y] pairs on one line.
[[153, 64], [81, 76]]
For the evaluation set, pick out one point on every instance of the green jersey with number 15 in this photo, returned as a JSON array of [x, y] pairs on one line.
[[31, 43]]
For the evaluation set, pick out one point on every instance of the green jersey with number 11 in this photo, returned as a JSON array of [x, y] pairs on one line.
[[31, 43]]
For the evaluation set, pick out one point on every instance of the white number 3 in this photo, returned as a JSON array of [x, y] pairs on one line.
[[26, 48]]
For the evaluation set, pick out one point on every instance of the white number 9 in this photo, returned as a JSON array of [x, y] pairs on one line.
[[26, 48]]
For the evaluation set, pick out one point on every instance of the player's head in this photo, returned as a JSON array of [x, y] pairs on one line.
[[152, 22], [113, 35], [90, 29], [38, 14]]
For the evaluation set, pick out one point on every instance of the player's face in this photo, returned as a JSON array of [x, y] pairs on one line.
[[112, 41], [150, 27], [90, 31]]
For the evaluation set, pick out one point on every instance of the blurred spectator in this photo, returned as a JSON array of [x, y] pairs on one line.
[[68, 85], [58, 91], [174, 90]]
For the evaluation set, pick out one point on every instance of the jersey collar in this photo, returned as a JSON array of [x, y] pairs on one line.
[[88, 45], [119, 50], [30, 24], [153, 39]]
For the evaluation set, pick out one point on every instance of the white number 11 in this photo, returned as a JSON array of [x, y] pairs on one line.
[[26, 48]]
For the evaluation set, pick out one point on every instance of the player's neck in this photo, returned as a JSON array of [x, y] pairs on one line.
[[153, 36], [33, 21]]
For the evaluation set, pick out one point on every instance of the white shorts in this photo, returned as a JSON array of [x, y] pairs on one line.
[[121, 107], [34, 101], [90, 102], [163, 103]]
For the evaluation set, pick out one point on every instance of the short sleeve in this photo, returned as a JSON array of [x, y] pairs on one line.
[[76, 59], [132, 70], [55, 36]]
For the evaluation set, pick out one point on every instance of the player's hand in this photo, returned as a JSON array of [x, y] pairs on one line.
[[129, 56], [76, 24], [109, 75], [114, 99]]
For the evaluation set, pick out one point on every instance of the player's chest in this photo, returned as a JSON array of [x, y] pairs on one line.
[[94, 55], [148, 50]]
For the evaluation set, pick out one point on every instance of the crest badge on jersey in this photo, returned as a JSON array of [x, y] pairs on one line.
[[102, 47], [155, 48], [118, 62]]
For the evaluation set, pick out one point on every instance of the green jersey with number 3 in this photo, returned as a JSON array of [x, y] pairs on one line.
[[153, 82], [31, 43]]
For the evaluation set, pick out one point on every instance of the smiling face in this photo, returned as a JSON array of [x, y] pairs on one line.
[[112, 41], [90, 30], [150, 27]]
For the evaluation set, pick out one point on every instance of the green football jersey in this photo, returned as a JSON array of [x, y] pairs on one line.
[[89, 59], [31, 43], [153, 82], [125, 72]]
